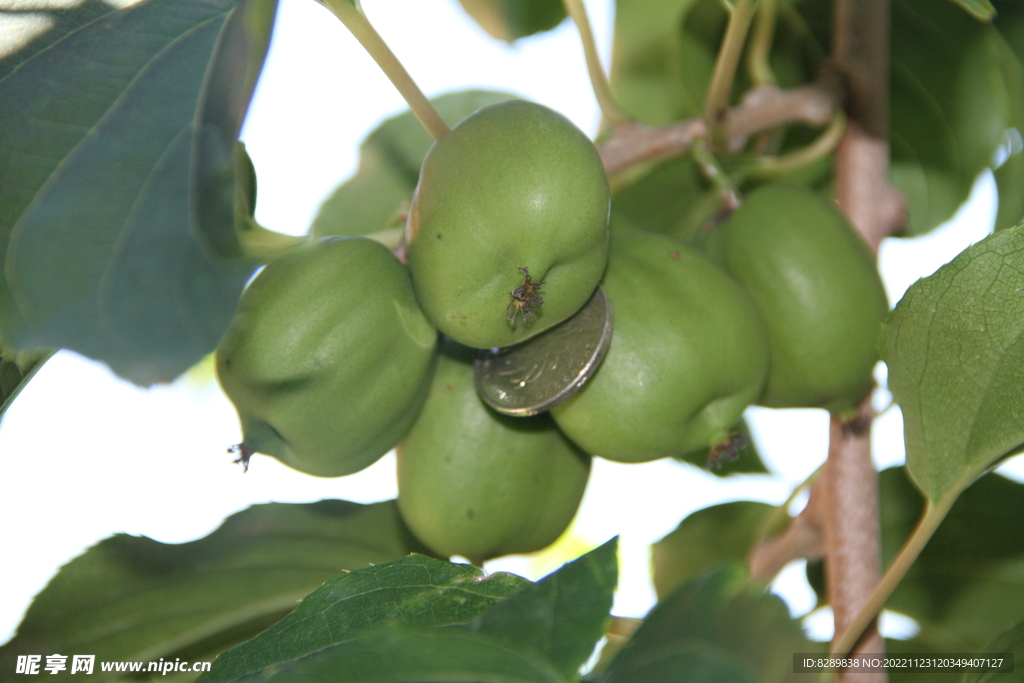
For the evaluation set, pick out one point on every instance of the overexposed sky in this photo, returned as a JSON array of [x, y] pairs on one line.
[[85, 454]]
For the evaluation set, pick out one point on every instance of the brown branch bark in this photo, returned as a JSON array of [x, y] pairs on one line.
[[852, 532], [763, 108], [804, 538]]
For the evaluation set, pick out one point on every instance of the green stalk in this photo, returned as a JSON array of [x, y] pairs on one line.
[[356, 22], [714, 172], [759, 56], [613, 113], [823, 145], [933, 516], [716, 106]]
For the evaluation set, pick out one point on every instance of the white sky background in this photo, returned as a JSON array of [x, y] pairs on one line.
[[85, 454]]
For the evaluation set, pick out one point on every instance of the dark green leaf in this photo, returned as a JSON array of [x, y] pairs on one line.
[[230, 80], [509, 20], [720, 534], [398, 655], [62, 20], [106, 112], [962, 588], [415, 591], [717, 627], [562, 616], [389, 167], [132, 598], [955, 362], [1010, 175], [949, 106], [16, 370], [981, 9], [1011, 640]]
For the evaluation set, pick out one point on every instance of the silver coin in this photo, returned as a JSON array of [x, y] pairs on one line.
[[544, 370]]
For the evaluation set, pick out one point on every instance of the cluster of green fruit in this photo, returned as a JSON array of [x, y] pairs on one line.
[[334, 357]]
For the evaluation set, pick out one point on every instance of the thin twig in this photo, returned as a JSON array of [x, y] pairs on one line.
[[804, 538], [763, 108], [716, 106]]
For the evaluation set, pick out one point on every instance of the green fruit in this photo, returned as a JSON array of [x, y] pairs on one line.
[[814, 281], [328, 358], [688, 354], [512, 197], [475, 483]]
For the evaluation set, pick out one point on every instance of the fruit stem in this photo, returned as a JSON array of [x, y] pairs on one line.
[[759, 56], [933, 515], [264, 244], [611, 110], [714, 172], [359, 26], [716, 106], [823, 145]]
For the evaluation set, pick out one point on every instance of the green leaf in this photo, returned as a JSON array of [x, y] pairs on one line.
[[61, 20], [415, 591], [562, 616], [389, 167], [132, 598], [673, 198], [949, 107], [717, 627], [1010, 175], [107, 112], [981, 9], [1011, 640], [230, 81], [398, 655], [16, 370], [510, 20], [716, 535], [659, 73], [962, 589], [955, 359]]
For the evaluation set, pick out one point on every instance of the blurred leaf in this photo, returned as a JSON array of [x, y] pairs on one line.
[[955, 357], [227, 89], [1010, 175], [415, 591], [132, 598], [968, 582], [994, 601], [62, 20], [389, 167], [716, 535], [561, 617], [717, 627], [1011, 640], [981, 9], [658, 73], [509, 20], [16, 370], [949, 106], [123, 279], [673, 198], [397, 655]]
